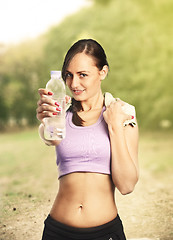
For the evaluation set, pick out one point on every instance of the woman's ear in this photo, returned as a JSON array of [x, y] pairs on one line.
[[104, 72]]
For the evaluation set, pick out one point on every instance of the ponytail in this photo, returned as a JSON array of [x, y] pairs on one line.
[[76, 107]]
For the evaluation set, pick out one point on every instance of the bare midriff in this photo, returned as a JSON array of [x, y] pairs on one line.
[[84, 200]]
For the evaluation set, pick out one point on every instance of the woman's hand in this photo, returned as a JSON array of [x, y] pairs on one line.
[[46, 106], [114, 115]]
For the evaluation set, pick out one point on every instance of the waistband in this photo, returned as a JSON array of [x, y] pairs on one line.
[[83, 233]]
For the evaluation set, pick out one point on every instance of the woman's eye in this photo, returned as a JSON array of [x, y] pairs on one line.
[[68, 75], [83, 75]]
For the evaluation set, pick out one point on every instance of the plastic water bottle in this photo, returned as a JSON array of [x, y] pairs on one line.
[[55, 126]]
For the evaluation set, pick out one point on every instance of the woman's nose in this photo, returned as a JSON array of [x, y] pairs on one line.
[[75, 82]]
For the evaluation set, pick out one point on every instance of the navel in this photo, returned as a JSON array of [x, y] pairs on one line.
[[80, 207]]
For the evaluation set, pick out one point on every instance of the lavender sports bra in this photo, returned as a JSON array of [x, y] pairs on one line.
[[84, 149]]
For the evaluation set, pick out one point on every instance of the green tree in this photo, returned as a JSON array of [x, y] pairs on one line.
[[137, 38]]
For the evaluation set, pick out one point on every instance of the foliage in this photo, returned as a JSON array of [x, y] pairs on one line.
[[136, 36]]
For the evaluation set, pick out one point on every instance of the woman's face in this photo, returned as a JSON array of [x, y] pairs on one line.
[[83, 77]]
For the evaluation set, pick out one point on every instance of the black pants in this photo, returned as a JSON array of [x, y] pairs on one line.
[[55, 230]]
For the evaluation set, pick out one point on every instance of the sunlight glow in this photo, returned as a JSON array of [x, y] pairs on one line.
[[20, 19]]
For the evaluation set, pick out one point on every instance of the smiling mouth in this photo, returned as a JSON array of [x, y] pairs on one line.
[[77, 91]]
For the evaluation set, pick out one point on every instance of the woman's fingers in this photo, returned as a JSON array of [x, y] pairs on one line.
[[45, 97], [120, 101], [45, 107], [67, 99], [42, 115], [116, 104], [129, 117], [48, 107], [44, 91], [115, 112], [46, 111], [47, 100]]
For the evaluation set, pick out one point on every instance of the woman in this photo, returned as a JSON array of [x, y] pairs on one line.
[[97, 155]]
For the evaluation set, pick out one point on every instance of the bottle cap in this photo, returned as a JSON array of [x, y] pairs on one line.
[[58, 73]]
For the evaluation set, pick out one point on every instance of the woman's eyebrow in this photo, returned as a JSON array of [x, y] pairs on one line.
[[68, 71], [83, 71], [78, 72]]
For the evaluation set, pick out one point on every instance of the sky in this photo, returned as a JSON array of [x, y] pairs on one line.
[[23, 19]]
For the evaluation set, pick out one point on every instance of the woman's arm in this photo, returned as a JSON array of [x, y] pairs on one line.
[[124, 148]]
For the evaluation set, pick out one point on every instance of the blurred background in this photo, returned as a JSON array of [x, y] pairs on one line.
[[34, 37], [136, 35]]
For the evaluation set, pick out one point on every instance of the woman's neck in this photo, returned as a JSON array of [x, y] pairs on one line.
[[93, 103]]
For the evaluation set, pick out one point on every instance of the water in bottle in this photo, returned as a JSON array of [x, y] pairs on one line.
[[55, 126]]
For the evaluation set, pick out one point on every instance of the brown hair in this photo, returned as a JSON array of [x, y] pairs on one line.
[[89, 47]]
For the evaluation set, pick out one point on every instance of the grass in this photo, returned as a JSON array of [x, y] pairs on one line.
[[28, 166], [27, 169]]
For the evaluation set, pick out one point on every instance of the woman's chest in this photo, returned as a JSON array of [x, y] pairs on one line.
[[90, 143], [90, 117]]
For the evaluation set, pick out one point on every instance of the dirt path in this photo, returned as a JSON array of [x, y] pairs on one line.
[[146, 213]]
